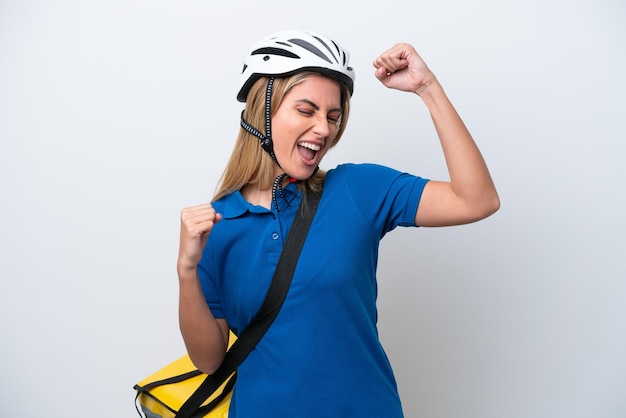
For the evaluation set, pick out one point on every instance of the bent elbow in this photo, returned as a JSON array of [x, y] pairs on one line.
[[480, 210], [490, 206], [206, 363], [207, 370], [494, 205], [208, 367]]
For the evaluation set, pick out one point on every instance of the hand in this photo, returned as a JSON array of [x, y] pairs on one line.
[[196, 223], [401, 68]]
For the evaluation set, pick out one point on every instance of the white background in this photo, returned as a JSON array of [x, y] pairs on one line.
[[115, 115]]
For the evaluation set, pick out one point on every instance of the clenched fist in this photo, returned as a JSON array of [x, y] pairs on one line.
[[196, 223]]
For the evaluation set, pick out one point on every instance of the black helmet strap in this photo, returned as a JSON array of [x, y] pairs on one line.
[[266, 140]]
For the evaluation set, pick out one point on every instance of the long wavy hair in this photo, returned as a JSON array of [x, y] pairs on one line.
[[249, 163]]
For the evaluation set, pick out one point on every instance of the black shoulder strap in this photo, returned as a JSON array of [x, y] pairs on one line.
[[274, 299]]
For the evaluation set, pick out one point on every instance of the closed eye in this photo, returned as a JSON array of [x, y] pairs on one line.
[[334, 118], [334, 114]]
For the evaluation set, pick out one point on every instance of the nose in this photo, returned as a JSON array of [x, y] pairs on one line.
[[321, 126]]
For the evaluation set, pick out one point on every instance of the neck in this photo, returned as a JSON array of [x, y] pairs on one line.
[[257, 196]]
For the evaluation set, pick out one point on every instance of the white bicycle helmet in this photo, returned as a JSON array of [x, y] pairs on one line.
[[291, 51]]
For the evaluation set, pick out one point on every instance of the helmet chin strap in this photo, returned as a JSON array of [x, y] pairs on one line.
[[266, 141]]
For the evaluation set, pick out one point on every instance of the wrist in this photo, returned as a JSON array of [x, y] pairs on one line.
[[432, 94], [186, 271], [429, 85]]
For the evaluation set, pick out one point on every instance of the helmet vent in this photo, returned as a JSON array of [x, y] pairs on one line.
[[311, 48], [274, 51]]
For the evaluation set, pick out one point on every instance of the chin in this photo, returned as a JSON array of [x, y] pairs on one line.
[[301, 176]]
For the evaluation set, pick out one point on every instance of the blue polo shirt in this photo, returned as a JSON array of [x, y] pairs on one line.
[[322, 356]]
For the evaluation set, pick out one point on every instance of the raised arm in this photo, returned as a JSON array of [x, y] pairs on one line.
[[206, 338], [470, 195]]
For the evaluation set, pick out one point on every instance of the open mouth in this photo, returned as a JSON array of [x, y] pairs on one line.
[[308, 151]]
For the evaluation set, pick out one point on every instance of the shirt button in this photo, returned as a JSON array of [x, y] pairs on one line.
[[275, 235]]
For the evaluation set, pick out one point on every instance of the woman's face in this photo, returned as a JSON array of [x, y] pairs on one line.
[[305, 124]]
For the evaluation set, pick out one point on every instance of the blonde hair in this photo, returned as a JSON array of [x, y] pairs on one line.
[[249, 163]]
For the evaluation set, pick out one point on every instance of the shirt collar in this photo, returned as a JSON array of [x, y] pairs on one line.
[[235, 205]]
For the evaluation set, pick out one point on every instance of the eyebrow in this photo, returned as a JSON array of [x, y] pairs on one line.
[[316, 107]]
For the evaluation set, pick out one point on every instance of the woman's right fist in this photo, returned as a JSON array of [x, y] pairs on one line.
[[196, 223]]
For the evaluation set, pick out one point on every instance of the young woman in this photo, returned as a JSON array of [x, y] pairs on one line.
[[322, 356]]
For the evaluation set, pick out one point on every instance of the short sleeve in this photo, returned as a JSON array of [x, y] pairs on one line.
[[384, 196]]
